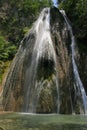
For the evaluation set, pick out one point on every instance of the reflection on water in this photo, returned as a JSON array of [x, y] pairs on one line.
[[15, 121]]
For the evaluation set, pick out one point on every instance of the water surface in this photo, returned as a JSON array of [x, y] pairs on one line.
[[23, 121]]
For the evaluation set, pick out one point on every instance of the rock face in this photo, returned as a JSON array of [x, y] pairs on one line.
[[41, 77], [62, 41], [82, 65]]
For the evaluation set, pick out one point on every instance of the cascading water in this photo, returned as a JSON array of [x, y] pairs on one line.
[[75, 69], [43, 49], [44, 77]]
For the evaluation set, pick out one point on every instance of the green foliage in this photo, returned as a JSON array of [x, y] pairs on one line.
[[7, 51], [81, 9], [77, 13]]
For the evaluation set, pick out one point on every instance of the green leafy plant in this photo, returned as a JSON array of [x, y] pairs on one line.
[[77, 13]]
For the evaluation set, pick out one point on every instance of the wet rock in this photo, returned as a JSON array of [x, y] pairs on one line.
[[41, 77]]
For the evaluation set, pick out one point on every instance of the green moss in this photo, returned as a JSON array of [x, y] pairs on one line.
[[25, 29]]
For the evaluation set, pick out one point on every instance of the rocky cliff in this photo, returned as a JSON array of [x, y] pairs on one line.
[[41, 77]]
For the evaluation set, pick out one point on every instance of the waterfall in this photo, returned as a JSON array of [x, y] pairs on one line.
[[44, 77], [75, 68], [43, 50]]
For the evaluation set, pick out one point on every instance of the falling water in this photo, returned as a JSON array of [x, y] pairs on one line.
[[44, 77], [75, 69], [43, 49]]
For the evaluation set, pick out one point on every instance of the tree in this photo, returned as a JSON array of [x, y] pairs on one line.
[[77, 13]]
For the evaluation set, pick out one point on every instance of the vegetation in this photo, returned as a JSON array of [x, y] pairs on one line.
[[77, 13], [7, 51]]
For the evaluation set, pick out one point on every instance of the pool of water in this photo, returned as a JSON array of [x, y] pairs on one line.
[[23, 121]]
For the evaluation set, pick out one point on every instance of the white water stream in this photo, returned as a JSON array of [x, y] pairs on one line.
[[43, 49], [75, 69]]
